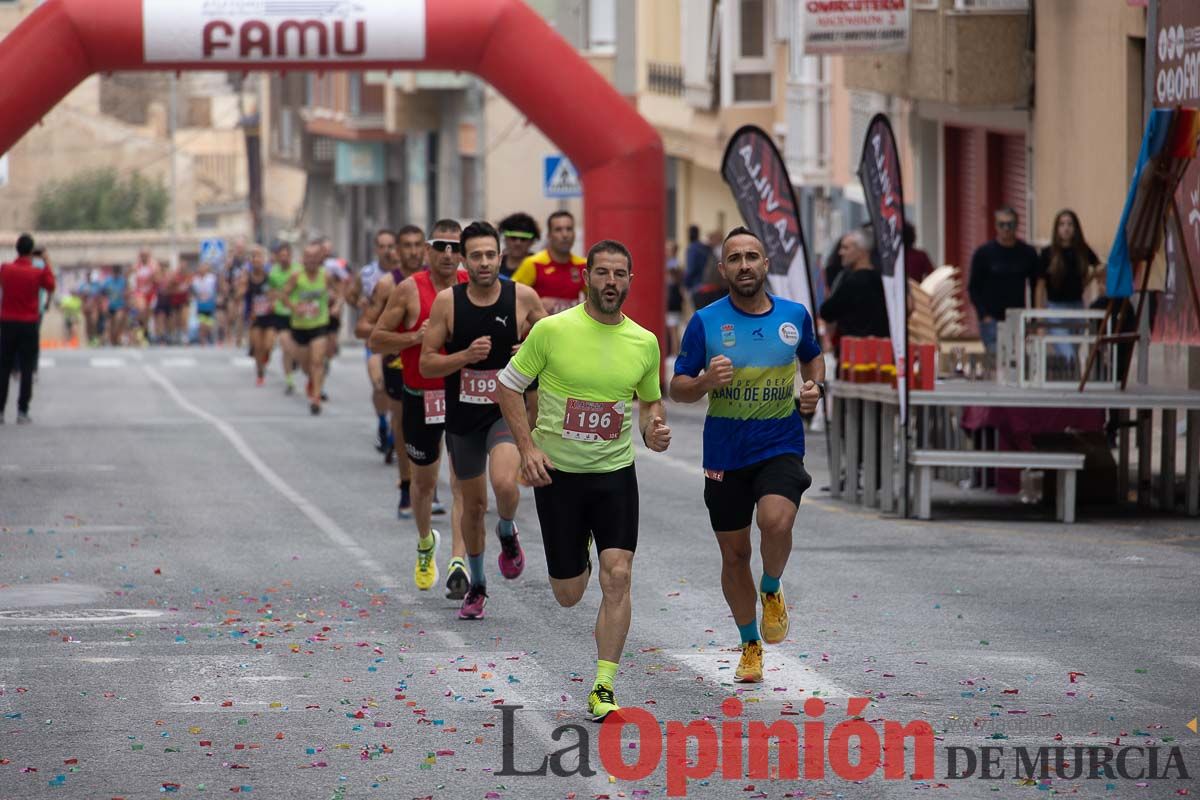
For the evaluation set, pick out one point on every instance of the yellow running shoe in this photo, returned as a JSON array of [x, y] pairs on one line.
[[775, 617], [602, 702], [749, 668], [425, 573]]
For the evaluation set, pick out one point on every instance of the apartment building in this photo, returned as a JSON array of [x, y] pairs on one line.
[[121, 122], [700, 69], [349, 153]]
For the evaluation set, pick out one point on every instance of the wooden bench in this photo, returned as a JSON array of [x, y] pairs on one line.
[[1066, 465]]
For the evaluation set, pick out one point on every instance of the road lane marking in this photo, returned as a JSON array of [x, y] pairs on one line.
[[80, 615], [801, 680], [67, 526], [45, 468], [319, 518], [106, 362], [178, 361]]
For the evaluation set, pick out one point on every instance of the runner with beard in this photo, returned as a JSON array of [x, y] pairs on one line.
[[591, 360], [741, 351], [480, 324]]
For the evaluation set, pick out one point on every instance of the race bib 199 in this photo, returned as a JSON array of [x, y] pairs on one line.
[[479, 387]]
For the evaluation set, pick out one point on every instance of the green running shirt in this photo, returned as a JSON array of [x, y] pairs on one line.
[[588, 375], [277, 278], [311, 301]]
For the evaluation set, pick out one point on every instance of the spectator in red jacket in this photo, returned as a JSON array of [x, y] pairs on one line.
[[20, 282]]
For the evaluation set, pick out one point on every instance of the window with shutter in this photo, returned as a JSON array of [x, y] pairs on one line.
[[750, 74], [699, 25]]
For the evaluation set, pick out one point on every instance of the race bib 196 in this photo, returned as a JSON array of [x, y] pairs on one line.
[[262, 305], [593, 421], [479, 387]]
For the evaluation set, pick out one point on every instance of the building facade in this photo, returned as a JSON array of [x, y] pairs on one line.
[[121, 122], [355, 152]]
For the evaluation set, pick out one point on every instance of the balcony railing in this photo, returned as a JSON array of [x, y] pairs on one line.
[[662, 78]]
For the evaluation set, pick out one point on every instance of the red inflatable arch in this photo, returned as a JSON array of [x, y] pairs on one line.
[[618, 154]]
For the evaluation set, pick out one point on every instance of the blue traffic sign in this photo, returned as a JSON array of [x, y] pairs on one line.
[[560, 178], [212, 251]]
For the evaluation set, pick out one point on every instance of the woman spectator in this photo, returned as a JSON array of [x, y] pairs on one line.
[[1065, 268]]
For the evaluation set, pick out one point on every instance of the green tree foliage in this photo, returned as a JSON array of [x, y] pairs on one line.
[[100, 200]]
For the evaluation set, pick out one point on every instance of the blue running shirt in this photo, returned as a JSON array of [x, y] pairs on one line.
[[753, 418]]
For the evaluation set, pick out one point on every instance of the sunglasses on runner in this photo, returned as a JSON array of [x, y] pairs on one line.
[[442, 245]]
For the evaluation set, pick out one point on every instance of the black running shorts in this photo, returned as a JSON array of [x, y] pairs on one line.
[[576, 505], [731, 496], [422, 441], [303, 337], [469, 452]]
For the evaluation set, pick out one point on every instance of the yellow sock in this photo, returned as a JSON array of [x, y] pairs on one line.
[[606, 673], [425, 542]]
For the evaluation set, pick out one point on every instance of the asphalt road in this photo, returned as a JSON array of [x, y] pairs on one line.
[[205, 591]]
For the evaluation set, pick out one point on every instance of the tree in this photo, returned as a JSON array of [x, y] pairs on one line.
[[100, 200]]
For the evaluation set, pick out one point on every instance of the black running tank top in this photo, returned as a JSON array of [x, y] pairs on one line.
[[471, 393], [258, 304]]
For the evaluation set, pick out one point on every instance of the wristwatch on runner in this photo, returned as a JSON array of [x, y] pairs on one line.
[[821, 387]]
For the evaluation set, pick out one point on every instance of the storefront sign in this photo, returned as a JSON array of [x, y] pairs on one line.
[[855, 26], [359, 163], [1176, 54]]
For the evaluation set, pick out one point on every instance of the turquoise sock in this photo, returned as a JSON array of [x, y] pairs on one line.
[[478, 576], [749, 631], [506, 529], [768, 585]]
